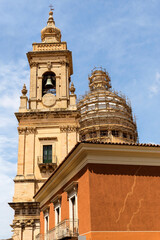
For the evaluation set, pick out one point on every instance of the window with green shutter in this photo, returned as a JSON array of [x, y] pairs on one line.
[[47, 153]]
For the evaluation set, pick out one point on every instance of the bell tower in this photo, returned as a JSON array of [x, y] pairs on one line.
[[51, 69], [48, 126]]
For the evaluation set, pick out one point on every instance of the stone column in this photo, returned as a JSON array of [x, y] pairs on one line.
[[21, 151], [30, 151], [64, 142], [33, 86]]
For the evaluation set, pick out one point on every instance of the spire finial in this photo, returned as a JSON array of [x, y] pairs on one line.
[[24, 90], [51, 20], [72, 88]]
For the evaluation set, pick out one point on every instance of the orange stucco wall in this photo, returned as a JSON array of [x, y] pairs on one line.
[[51, 216], [84, 214], [124, 198], [41, 223], [64, 207], [115, 202]]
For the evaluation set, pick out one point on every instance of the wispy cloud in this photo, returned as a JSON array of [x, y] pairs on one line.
[[154, 89], [13, 76]]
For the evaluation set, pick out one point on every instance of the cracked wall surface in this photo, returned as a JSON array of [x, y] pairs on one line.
[[126, 197]]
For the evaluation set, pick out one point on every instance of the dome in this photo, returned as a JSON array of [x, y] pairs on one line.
[[51, 34], [105, 115]]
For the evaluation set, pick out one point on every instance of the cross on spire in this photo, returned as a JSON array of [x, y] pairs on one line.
[[51, 7]]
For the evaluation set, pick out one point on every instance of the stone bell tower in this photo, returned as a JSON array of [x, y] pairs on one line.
[[47, 125]]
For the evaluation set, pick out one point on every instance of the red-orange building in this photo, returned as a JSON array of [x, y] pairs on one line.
[[103, 191]]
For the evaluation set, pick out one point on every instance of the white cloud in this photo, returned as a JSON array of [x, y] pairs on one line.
[[8, 171], [13, 76], [154, 89], [7, 190]]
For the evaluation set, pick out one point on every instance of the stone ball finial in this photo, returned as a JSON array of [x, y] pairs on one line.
[[24, 90], [72, 88]]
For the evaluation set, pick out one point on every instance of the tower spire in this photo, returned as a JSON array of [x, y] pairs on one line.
[[51, 19], [51, 34]]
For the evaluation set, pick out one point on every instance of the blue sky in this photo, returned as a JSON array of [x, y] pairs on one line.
[[120, 35]]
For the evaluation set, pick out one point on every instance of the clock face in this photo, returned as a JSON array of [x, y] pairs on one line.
[[49, 99]]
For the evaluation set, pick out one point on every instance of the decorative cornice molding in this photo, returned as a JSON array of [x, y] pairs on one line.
[[69, 128], [49, 114], [21, 130], [47, 138], [23, 223], [27, 130], [56, 200], [73, 187], [33, 64]]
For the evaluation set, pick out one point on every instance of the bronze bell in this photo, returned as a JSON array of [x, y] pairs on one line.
[[49, 83]]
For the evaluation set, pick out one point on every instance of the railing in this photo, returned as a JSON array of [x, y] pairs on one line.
[[40, 159], [67, 228]]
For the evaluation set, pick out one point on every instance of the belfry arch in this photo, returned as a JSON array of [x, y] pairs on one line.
[[49, 83]]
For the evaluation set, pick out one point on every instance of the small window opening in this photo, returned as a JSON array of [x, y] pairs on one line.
[[125, 135], [103, 133], [73, 201], [57, 215], [47, 153], [115, 133], [46, 223]]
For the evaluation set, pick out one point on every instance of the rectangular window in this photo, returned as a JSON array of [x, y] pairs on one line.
[[47, 153], [46, 224], [57, 216], [73, 211], [73, 214]]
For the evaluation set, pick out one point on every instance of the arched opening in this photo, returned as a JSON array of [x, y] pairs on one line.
[[49, 83]]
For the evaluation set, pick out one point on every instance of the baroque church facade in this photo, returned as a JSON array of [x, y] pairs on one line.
[[81, 171]]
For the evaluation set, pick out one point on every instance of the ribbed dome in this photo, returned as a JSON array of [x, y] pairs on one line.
[[104, 114], [51, 34]]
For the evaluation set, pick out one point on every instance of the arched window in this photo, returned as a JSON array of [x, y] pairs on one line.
[[49, 83]]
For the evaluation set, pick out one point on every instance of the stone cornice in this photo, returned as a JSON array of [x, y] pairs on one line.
[[59, 113], [19, 205], [56, 53]]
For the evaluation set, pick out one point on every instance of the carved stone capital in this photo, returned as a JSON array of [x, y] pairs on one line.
[[72, 128], [63, 62], [21, 130], [27, 130], [68, 128], [63, 128], [23, 223], [30, 130], [33, 64]]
